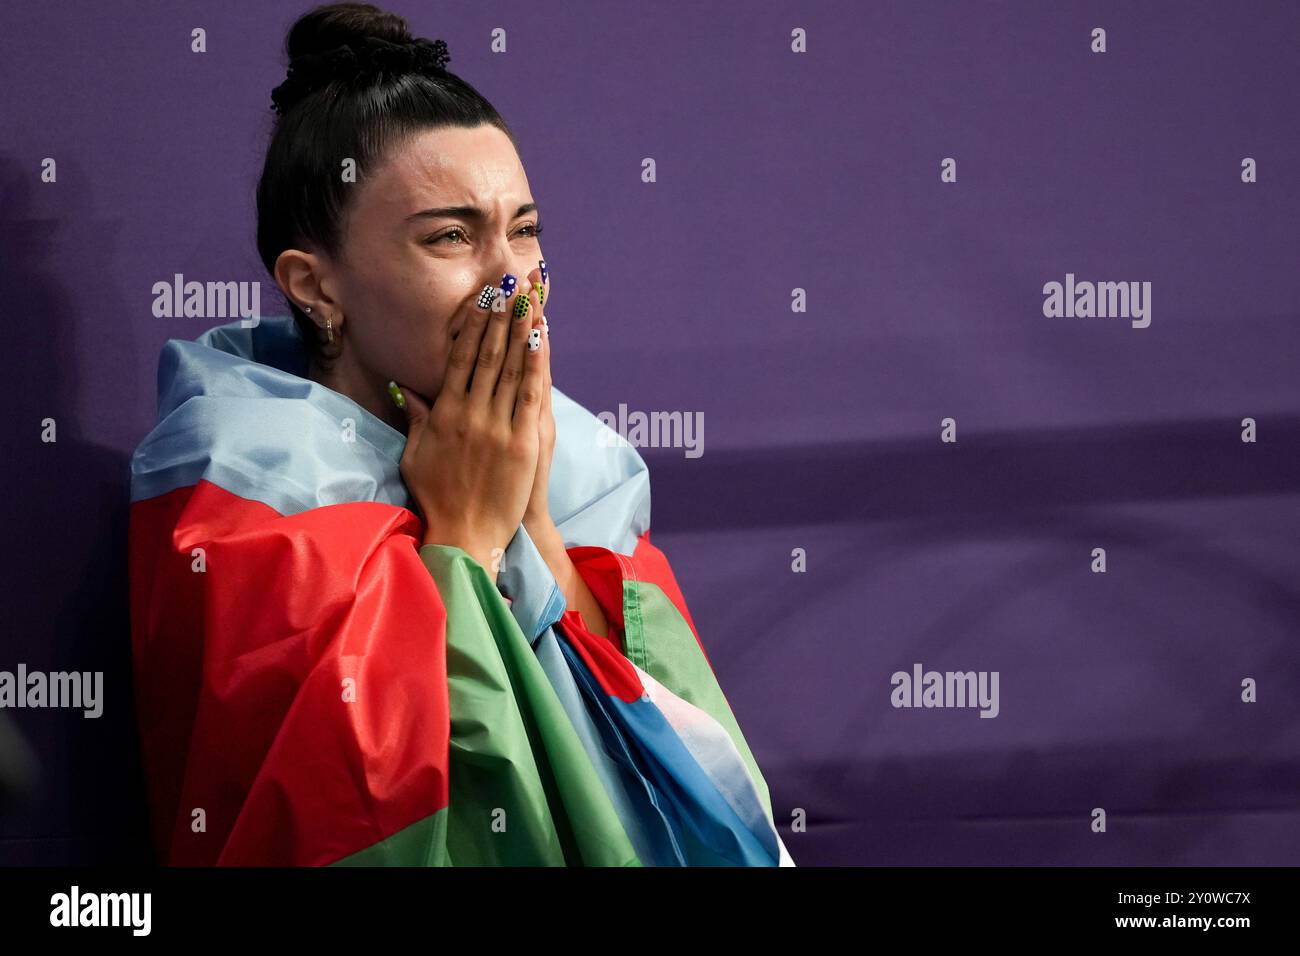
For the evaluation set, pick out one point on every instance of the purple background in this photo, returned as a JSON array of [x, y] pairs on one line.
[[779, 171]]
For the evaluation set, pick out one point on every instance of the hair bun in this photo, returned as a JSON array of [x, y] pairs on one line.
[[350, 41], [341, 24]]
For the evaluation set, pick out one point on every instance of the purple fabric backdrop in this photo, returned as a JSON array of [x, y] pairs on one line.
[[777, 171]]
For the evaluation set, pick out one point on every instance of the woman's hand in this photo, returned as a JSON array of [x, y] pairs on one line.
[[537, 516], [470, 461]]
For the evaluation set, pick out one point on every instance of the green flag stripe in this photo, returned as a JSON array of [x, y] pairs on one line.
[[423, 843], [523, 791], [662, 644]]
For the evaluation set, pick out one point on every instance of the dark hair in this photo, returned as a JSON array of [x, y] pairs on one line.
[[357, 84]]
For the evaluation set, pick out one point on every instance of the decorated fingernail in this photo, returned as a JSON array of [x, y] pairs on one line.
[[486, 296], [534, 340], [508, 283], [541, 264], [521, 306], [541, 295], [546, 323], [398, 398]]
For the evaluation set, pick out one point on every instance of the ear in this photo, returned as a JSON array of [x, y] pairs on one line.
[[302, 277]]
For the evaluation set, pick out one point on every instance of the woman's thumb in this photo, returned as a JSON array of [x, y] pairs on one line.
[[414, 406]]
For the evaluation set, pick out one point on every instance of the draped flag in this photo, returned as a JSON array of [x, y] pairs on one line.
[[314, 687]]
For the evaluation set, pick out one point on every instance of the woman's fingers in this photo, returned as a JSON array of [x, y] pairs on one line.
[[528, 403], [512, 372], [464, 353], [546, 372], [543, 285], [542, 291], [414, 406], [491, 355]]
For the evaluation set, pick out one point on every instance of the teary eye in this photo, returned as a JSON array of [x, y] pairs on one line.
[[432, 240]]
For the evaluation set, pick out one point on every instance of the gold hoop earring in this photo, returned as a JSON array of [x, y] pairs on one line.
[[329, 329]]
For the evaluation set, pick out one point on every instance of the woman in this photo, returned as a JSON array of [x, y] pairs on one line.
[[394, 599]]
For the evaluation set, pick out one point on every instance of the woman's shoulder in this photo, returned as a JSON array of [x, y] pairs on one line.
[[261, 432]]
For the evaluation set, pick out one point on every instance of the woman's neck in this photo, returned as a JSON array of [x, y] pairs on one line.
[[372, 395]]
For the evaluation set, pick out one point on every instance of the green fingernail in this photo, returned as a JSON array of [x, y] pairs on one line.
[[541, 294], [398, 398], [521, 306]]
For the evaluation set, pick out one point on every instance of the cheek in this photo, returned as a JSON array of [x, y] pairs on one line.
[[407, 318], [433, 373]]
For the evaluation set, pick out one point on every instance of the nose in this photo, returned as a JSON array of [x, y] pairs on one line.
[[501, 261], [509, 259]]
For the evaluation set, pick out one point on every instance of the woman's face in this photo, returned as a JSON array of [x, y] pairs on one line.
[[448, 212]]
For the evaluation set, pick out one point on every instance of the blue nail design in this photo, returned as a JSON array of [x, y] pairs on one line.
[[541, 263], [508, 283]]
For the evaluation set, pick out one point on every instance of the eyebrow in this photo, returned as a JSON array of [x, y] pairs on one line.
[[465, 212]]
